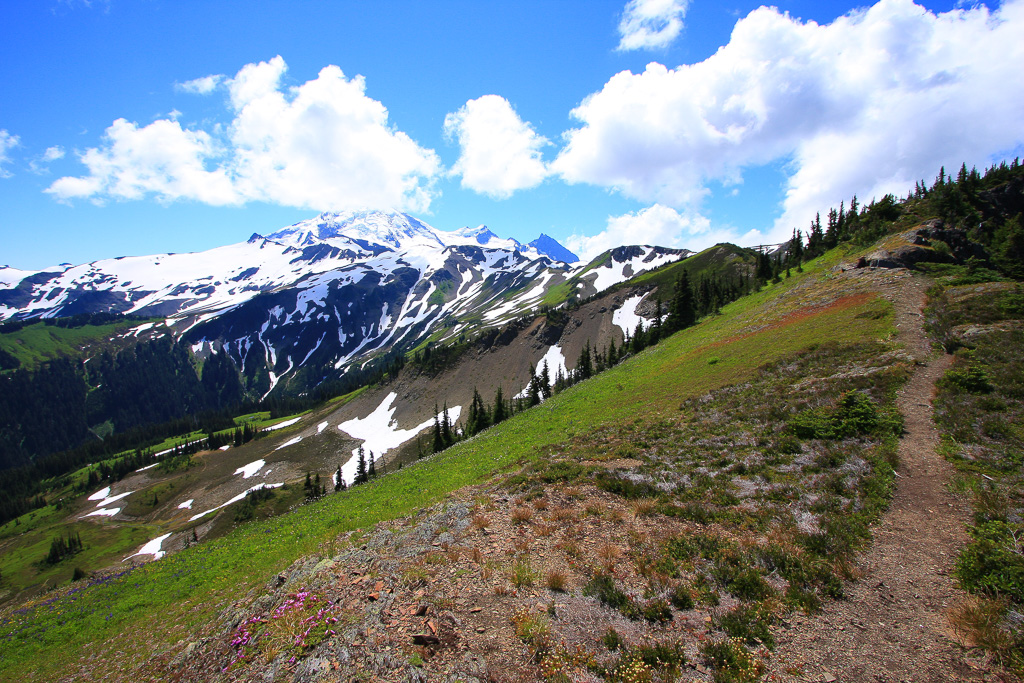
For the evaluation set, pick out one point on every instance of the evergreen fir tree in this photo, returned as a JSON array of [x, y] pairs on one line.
[[438, 435], [372, 472], [447, 432], [499, 413], [360, 467]]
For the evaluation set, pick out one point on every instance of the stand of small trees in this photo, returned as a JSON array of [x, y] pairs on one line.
[[61, 548]]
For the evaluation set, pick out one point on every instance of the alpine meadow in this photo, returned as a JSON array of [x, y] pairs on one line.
[[737, 397]]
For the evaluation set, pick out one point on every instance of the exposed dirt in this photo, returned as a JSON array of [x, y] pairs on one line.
[[894, 624]]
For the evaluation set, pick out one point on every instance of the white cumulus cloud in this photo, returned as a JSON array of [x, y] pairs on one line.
[[656, 225], [321, 145], [7, 141], [867, 104], [200, 86], [161, 159], [501, 153], [650, 24]]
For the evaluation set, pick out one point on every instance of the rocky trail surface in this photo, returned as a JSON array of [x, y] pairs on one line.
[[894, 624]]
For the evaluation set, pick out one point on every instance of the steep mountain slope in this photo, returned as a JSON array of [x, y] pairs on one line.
[[612, 418], [391, 421], [307, 302]]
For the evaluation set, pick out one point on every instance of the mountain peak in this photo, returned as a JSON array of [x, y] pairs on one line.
[[389, 228], [551, 247]]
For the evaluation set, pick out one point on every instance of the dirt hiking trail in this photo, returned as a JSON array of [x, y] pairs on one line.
[[893, 624]]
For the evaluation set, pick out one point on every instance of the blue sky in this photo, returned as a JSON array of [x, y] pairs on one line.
[[145, 126]]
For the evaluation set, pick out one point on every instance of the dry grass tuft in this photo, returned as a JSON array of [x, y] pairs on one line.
[[522, 515], [545, 529], [645, 508], [556, 580]]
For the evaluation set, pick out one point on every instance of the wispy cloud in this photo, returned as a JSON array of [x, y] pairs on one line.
[[7, 142], [651, 24], [41, 164], [200, 86]]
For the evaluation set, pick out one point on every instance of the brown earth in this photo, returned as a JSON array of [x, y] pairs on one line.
[[894, 626]]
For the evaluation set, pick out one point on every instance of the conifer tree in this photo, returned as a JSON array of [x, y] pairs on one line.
[[447, 429], [499, 413], [438, 434], [545, 381], [372, 472], [360, 467]]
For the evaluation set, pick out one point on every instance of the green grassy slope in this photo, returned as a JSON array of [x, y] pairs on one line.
[[38, 343], [167, 600]]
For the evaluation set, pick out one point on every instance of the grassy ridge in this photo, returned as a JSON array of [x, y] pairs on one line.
[[184, 589], [38, 343]]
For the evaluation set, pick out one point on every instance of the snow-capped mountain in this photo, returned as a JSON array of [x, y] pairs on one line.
[[304, 303]]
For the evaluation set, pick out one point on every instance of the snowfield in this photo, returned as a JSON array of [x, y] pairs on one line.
[[289, 442], [380, 433], [109, 512], [626, 317], [282, 425], [237, 498], [152, 548], [251, 469]]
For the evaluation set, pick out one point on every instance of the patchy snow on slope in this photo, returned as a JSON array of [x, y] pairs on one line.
[[111, 499], [556, 361], [237, 498], [321, 427], [615, 272], [380, 433], [251, 469], [147, 467], [626, 317], [151, 548], [282, 425], [101, 494], [109, 512], [289, 442], [187, 505]]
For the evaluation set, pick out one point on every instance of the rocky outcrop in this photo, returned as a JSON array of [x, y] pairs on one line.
[[931, 242]]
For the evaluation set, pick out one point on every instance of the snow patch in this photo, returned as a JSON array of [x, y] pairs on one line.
[[282, 425], [626, 317], [380, 433], [101, 494], [152, 548], [290, 442], [111, 499], [110, 512], [251, 469], [321, 427], [187, 505], [237, 498]]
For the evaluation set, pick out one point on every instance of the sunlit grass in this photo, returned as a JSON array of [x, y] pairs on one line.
[[169, 599]]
